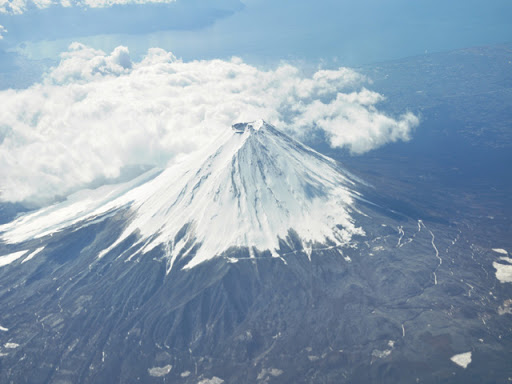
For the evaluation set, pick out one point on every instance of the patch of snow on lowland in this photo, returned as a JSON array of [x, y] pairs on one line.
[[213, 380], [381, 354], [265, 373], [503, 272], [275, 372], [500, 250], [11, 257], [506, 308], [31, 256], [159, 371], [462, 359]]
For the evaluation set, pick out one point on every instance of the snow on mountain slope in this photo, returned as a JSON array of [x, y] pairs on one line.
[[248, 189], [80, 206]]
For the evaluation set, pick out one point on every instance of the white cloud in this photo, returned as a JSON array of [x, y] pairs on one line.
[[96, 113], [17, 7], [2, 31], [83, 63]]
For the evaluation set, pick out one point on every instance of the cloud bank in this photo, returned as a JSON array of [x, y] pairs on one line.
[[96, 113], [17, 7], [3, 31]]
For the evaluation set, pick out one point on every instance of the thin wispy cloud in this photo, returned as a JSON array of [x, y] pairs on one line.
[[96, 113]]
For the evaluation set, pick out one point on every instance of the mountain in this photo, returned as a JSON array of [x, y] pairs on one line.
[[249, 189], [256, 260]]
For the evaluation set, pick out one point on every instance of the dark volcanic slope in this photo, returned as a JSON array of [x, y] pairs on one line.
[[379, 317]]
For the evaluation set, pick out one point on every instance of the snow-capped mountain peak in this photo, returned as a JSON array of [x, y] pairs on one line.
[[251, 127], [248, 189]]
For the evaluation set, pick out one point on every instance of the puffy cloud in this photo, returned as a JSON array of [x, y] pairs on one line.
[[82, 63], [96, 113], [2, 31], [351, 120], [17, 7]]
